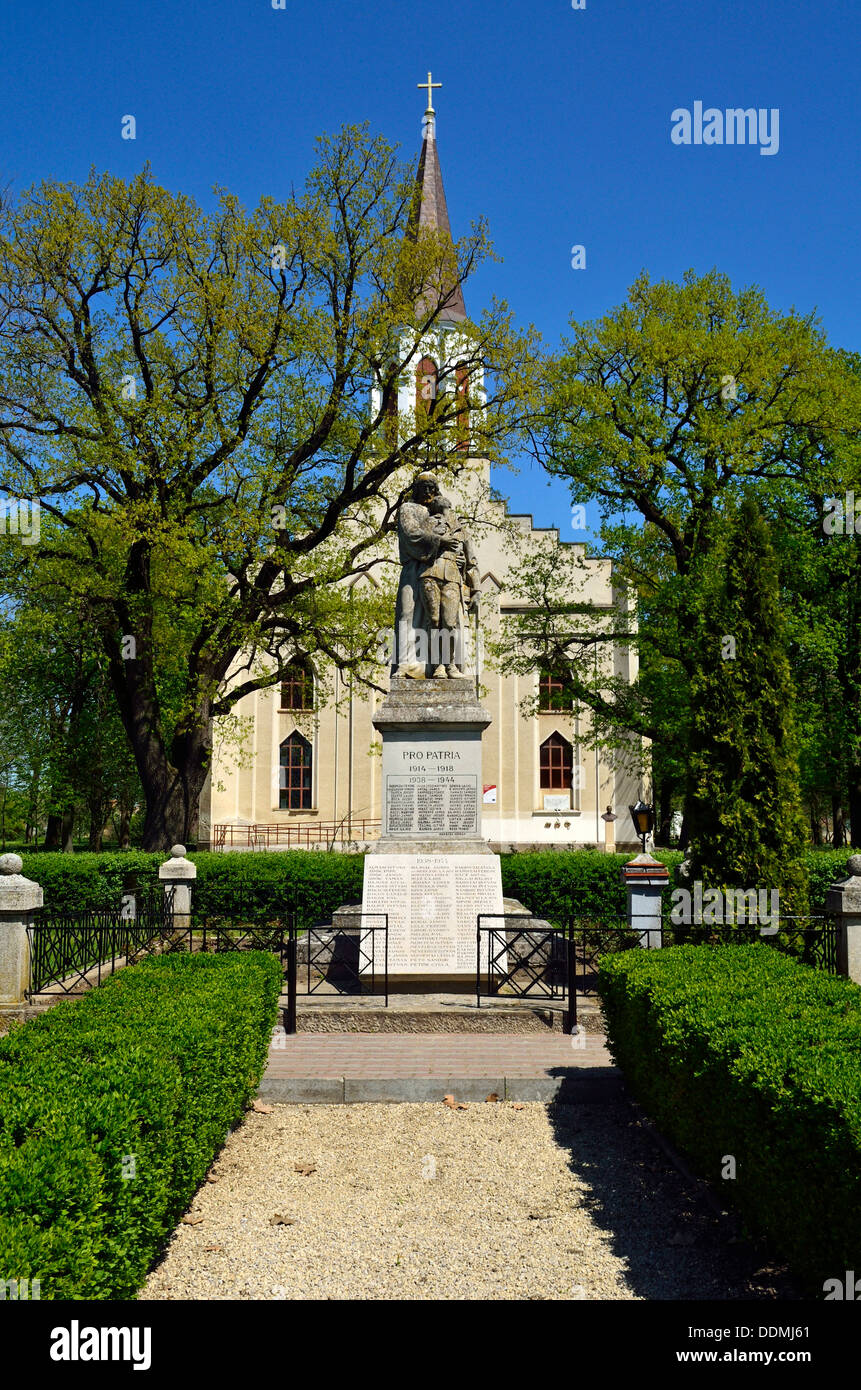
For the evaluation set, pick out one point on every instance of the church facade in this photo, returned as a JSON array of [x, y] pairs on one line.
[[309, 774]]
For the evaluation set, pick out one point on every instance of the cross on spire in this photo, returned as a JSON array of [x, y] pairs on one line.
[[431, 87]]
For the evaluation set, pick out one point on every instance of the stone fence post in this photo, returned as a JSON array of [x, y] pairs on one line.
[[843, 899], [645, 878], [19, 898], [179, 873]]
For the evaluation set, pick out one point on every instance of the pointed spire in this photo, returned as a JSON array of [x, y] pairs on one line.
[[429, 206]]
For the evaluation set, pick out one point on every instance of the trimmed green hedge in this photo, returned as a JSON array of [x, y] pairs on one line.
[[156, 1066], [554, 883], [317, 882], [741, 1051]]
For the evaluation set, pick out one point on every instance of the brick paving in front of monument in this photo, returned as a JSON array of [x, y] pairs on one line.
[[403, 1055]]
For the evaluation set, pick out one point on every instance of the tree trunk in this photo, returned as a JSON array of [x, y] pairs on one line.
[[125, 836], [664, 813], [855, 807], [838, 837], [172, 792], [171, 778], [67, 830], [52, 830]]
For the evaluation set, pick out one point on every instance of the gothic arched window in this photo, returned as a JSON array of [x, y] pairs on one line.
[[390, 426], [557, 764], [555, 694], [297, 687], [427, 384], [295, 774]]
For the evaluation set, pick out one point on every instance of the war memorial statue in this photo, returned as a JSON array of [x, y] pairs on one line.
[[432, 872], [439, 586]]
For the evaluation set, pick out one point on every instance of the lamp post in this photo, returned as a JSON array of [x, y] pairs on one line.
[[645, 880], [644, 819]]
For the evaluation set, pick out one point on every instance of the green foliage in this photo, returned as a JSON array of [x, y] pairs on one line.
[[64, 752], [738, 1050], [556, 885], [746, 824], [666, 412], [824, 867], [86, 882], [189, 390], [158, 1064], [315, 883], [310, 884]]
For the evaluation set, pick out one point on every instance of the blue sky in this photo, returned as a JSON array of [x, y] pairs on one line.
[[553, 122]]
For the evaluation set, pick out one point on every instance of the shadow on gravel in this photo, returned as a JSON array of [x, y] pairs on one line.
[[670, 1230]]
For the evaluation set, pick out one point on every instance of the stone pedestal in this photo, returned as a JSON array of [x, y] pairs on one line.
[[19, 899], [645, 878], [844, 900], [431, 870], [178, 873]]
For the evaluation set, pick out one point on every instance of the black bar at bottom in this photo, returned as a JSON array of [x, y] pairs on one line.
[[292, 957], [572, 983]]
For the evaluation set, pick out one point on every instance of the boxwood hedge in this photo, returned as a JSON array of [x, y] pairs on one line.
[[740, 1051], [112, 1109], [551, 884]]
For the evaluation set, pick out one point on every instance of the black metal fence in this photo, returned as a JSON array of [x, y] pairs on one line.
[[71, 952], [528, 957]]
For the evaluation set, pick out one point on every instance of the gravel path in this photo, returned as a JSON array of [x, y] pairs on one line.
[[494, 1201]]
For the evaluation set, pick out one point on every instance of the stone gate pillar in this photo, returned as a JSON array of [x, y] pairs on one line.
[[645, 879], [179, 873], [19, 899], [843, 899]]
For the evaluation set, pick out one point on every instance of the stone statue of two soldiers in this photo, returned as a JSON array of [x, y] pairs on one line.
[[439, 585]]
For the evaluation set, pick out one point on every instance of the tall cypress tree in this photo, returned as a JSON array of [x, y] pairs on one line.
[[747, 825]]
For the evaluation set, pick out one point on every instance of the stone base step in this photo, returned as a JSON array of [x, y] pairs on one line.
[[406, 1015], [588, 1086]]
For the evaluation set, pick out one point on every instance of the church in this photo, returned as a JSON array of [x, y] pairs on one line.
[[309, 775]]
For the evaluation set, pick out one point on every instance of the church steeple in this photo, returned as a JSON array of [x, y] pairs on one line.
[[429, 208]]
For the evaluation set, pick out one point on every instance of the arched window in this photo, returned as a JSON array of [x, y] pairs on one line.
[[297, 687], [557, 763], [555, 694], [389, 404], [295, 774], [427, 384]]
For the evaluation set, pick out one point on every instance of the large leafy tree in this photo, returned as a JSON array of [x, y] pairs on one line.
[[667, 411], [187, 392], [819, 549], [65, 761]]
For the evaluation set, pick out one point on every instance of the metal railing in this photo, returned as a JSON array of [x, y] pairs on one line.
[[529, 957], [71, 952], [295, 835], [341, 959]]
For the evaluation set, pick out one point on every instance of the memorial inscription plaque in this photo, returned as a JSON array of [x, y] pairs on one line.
[[431, 789], [432, 901]]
